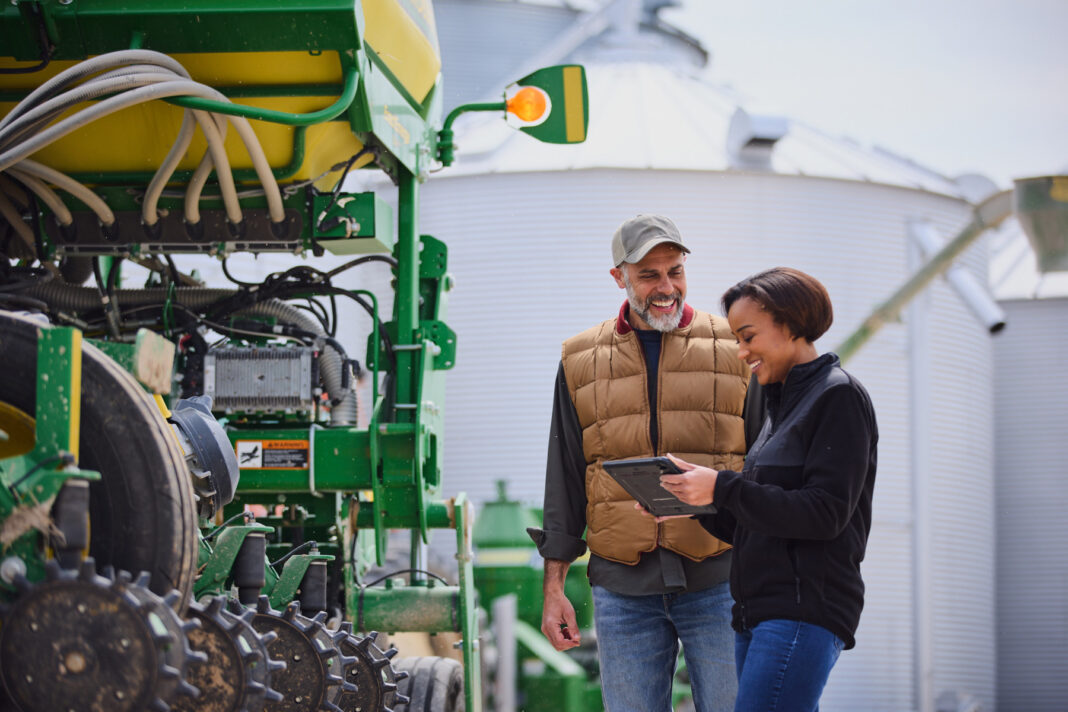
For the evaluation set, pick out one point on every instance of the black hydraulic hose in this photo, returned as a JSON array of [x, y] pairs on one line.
[[22, 302], [104, 296], [292, 552], [70, 298], [337, 186], [172, 270], [231, 520], [35, 222], [238, 282], [113, 279], [42, 41], [392, 261]]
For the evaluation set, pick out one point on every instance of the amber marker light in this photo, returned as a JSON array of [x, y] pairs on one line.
[[528, 104], [549, 104]]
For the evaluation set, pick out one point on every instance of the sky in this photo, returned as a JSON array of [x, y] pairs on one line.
[[977, 86]]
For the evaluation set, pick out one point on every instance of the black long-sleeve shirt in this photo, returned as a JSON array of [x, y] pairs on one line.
[[658, 571]]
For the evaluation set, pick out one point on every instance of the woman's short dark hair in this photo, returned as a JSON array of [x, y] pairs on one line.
[[792, 297]]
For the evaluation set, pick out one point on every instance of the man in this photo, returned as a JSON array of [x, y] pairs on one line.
[[660, 377]]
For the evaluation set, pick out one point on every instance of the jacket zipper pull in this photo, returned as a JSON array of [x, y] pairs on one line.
[[797, 588]]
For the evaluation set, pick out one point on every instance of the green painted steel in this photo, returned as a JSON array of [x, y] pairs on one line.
[[568, 117], [30, 482], [286, 587], [348, 93], [81, 28], [340, 462], [37, 477], [397, 123], [58, 392], [406, 302], [446, 147], [438, 516], [351, 224], [119, 352], [216, 562], [425, 606]]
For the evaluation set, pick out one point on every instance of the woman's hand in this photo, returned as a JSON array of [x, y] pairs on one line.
[[696, 485]]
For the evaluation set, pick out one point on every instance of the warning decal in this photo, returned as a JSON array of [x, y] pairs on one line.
[[272, 454]]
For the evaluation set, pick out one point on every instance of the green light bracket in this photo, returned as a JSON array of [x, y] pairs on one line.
[[566, 109]]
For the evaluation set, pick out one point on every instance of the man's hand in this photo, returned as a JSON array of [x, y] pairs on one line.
[[696, 485], [557, 614], [558, 622]]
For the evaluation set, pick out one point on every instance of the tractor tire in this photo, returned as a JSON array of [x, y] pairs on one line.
[[142, 513], [432, 685]]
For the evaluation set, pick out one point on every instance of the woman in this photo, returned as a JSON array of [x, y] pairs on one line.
[[799, 513]]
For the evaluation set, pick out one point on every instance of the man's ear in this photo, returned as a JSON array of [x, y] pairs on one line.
[[617, 274]]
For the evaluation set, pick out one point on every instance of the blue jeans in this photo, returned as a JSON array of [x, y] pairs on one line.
[[638, 645], [783, 666]]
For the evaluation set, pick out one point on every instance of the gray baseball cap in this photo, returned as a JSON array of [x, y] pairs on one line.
[[637, 236]]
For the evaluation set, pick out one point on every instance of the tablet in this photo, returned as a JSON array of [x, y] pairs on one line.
[[641, 479]]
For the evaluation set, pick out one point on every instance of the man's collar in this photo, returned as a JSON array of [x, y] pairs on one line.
[[623, 326]]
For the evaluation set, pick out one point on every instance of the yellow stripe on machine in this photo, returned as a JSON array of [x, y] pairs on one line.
[[75, 392], [396, 38], [575, 113]]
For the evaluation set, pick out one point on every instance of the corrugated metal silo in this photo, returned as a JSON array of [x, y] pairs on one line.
[[1031, 422]]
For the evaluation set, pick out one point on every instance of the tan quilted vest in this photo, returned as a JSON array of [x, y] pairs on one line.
[[701, 391]]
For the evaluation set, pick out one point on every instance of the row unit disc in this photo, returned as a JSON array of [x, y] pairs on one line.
[[374, 676], [82, 642], [236, 674], [316, 671]]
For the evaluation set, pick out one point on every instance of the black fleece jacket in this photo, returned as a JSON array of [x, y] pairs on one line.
[[799, 513]]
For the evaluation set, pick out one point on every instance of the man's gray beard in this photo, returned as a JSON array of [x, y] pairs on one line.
[[657, 321]]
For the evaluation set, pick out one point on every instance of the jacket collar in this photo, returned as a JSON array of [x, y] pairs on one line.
[[802, 373], [782, 395], [623, 326]]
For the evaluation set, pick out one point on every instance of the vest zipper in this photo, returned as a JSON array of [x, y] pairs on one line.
[[654, 408], [654, 416]]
